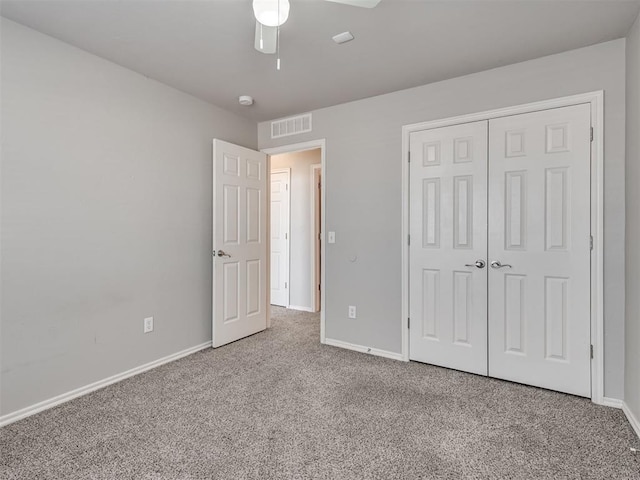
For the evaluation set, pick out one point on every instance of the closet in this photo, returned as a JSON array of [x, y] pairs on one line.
[[500, 251]]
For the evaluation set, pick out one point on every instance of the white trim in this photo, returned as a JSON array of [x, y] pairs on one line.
[[268, 213], [92, 387], [359, 348], [286, 170], [635, 423], [597, 254], [596, 99], [611, 402], [312, 230], [301, 147], [301, 309]]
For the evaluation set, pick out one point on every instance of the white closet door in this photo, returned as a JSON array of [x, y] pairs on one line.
[[280, 207], [448, 210], [539, 232]]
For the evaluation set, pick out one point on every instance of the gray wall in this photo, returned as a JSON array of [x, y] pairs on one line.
[[632, 349], [300, 246], [106, 217], [363, 185]]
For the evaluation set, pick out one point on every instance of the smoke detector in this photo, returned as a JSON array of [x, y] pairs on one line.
[[245, 100]]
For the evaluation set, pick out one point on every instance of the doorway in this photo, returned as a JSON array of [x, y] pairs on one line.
[[504, 258], [304, 241]]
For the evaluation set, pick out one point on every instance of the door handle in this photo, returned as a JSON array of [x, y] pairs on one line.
[[497, 264], [477, 264], [221, 253]]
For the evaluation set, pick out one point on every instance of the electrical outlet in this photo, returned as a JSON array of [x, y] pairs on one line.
[[148, 324], [332, 237], [352, 311]]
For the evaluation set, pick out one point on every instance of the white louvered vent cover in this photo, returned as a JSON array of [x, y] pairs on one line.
[[291, 126]]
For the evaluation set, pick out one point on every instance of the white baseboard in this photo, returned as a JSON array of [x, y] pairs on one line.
[[635, 423], [302, 309], [92, 387], [361, 349], [611, 402]]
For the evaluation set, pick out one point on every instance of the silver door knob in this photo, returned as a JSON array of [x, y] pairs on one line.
[[477, 264], [221, 253], [497, 264]]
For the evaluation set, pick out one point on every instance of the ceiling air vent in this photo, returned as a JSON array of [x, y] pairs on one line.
[[291, 126]]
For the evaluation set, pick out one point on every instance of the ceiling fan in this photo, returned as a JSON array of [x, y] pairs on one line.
[[271, 14]]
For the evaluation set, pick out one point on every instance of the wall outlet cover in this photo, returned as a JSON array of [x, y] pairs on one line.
[[148, 324]]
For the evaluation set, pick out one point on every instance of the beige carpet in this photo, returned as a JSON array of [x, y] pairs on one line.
[[278, 405]]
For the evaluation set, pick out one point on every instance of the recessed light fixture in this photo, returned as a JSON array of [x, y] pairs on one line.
[[245, 100], [343, 37]]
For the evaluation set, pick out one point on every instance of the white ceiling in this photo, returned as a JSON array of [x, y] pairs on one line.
[[205, 47]]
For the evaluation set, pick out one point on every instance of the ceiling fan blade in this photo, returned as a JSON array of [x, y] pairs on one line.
[[266, 38], [358, 3]]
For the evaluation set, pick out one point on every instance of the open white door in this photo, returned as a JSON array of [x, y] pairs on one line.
[[239, 242]]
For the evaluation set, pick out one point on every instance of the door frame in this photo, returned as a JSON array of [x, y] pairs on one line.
[[301, 147], [286, 170], [314, 233], [596, 100]]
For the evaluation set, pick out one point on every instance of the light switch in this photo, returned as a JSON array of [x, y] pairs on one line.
[[332, 237]]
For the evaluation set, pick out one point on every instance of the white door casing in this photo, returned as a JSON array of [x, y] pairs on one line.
[[280, 231], [539, 223], [595, 100], [448, 235], [239, 242]]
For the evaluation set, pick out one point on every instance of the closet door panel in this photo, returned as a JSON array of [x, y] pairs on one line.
[[539, 249], [448, 210]]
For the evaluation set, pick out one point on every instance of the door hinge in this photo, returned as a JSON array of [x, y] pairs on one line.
[[319, 287], [408, 239], [591, 242], [591, 350], [286, 186], [592, 134], [286, 236], [409, 157], [408, 322], [285, 284]]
